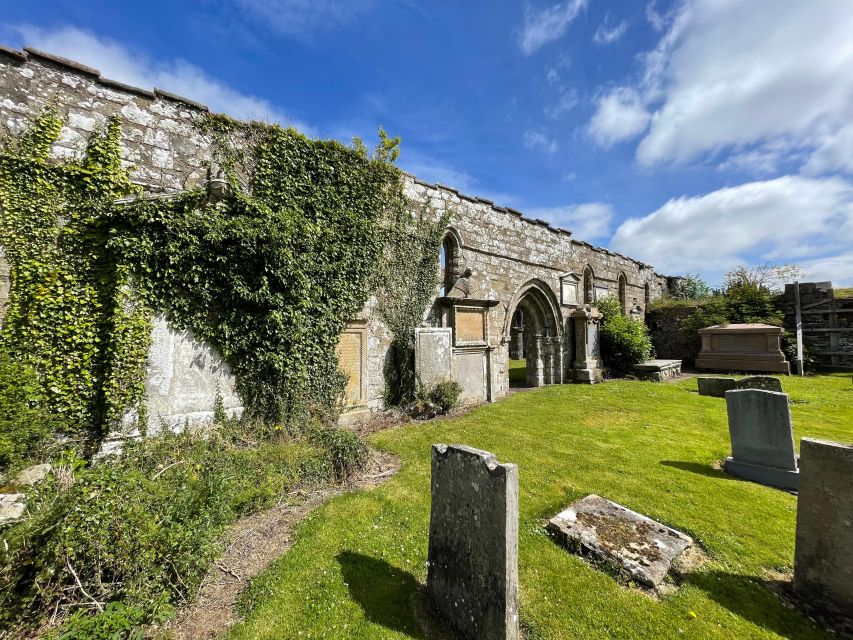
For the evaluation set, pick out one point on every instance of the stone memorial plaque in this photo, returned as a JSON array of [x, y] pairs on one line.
[[762, 438], [473, 542], [433, 355], [641, 547]]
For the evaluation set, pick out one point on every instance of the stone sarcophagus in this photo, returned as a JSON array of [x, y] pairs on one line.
[[742, 347]]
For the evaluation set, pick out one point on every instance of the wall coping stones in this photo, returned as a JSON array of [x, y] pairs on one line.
[[63, 62], [115, 84], [18, 56], [162, 93]]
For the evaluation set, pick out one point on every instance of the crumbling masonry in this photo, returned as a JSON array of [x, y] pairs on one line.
[[496, 261]]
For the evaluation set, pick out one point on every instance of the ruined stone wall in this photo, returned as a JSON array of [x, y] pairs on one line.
[[503, 248], [827, 322], [668, 336]]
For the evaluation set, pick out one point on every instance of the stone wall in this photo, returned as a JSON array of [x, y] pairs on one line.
[[668, 337], [827, 322], [509, 255]]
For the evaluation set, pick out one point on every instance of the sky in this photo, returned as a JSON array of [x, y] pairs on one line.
[[696, 135]]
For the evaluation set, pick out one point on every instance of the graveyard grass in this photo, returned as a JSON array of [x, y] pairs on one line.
[[359, 559]]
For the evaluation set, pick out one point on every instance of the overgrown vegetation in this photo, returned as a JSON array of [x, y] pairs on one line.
[[142, 530], [624, 341]]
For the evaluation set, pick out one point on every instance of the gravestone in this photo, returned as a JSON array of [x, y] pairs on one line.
[[715, 387], [633, 543], [472, 574], [762, 438], [765, 383], [823, 558], [433, 355]]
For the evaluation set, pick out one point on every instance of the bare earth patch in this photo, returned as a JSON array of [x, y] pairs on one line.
[[253, 544]]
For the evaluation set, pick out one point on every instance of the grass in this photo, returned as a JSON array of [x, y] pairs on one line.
[[844, 293], [518, 373], [359, 559]]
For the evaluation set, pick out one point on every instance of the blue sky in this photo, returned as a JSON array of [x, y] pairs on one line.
[[694, 134]]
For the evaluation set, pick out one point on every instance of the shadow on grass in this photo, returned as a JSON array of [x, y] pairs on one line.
[[752, 599], [383, 591], [696, 467]]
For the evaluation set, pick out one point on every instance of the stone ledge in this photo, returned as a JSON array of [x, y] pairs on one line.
[[658, 370], [64, 62]]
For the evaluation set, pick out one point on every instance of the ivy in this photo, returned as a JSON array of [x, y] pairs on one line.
[[70, 316], [267, 271]]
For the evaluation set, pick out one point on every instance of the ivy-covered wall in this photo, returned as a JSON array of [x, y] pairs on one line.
[[171, 153]]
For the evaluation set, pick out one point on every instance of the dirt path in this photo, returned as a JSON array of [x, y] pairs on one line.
[[253, 544]]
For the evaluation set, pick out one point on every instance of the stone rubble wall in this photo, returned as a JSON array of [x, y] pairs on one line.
[[668, 337], [827, 322], [503, 248]]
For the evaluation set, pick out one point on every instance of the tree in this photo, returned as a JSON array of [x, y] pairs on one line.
[[772, 277], [691, 287]]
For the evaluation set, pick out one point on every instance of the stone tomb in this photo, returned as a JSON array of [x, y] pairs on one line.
[[637, 545], [762, 438], [658, 370], [472, 575], [823, 557], [742, 347]]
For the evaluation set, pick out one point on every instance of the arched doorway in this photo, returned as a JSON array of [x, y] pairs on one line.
[[534, 323]]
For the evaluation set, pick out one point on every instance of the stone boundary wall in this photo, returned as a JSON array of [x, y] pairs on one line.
[[668, 338], [503, 248]]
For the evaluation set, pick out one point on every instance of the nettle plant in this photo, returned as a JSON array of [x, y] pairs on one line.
[[267, 272]]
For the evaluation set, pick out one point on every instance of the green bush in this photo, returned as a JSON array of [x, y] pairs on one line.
[[445, 395], [25, 426], [347, 453], [624, 341], [142, 530]]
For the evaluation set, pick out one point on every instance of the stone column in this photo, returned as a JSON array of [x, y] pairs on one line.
[[472, 573], [823, 557], [587, 368]]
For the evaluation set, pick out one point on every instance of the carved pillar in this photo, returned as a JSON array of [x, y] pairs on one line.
[[587, 368]]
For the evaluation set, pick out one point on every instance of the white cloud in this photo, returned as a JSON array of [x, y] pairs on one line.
[[607, 34], [177, 76], [658, 20], [542, 26], [568, 100], [838, 269], [302, 18], [538, 140], [792, 218], [729, 75], [588, 221], [620, 115]]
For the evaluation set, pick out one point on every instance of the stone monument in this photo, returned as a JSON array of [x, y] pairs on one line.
[[587, 366], [762, 438], [742, 347], [473, 542], [823, 558]]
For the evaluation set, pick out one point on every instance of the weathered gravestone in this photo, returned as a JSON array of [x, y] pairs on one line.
[[715, 387], [473, 542], [629, 541], [823, 559], [762, 438], [433, 355], [765, 383]]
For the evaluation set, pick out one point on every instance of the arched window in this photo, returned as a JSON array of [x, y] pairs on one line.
[[451, 261], [623, 292], [588, 285]]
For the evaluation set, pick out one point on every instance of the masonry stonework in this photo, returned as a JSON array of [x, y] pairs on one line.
[[515, 262]]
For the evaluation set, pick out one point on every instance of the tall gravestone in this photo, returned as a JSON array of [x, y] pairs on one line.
[[823, 558], [762, 438], [473, 542]]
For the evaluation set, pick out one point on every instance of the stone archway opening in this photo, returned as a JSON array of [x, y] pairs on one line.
[[534, 347]]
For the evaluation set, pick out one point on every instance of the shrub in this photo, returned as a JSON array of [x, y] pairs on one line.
[[25, 425], [624, 341], [141, 530], [445, 395], [347, 453]]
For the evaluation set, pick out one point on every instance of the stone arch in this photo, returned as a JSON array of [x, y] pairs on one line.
[[623, 292], [451, 262], [541, 332], [588, 285]]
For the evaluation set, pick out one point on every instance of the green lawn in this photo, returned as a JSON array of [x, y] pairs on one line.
[[649, 446], [518, 373]]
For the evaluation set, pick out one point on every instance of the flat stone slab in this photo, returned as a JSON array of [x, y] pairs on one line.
[[12, 507], [658, 370], [641, 547], [764, 383], [715, 387], [31, 476]]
